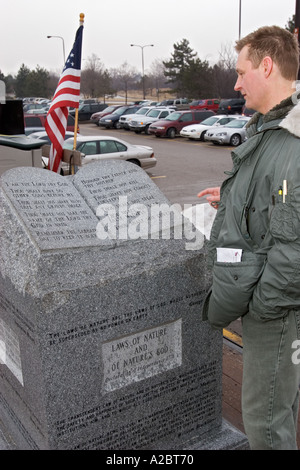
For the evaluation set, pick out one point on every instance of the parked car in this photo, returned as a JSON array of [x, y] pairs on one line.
[[126, 118], [211, 103], [112, 120], [142, 124], [166, 104], [99, 114], [29, 99], [197, 131], [42, 135], [88, 101], [146, 103], [232, 106], [104, 147], [234, 133], [38, 120], [176, 103], [181, 104], [85, 110], [43, 110], [31, 130], [248, 111], [172, 124], [35, 120], [30, 106]]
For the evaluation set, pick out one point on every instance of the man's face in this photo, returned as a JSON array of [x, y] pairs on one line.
[[250, 81]]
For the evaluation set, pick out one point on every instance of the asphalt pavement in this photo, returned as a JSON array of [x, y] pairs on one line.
[[184, 167]]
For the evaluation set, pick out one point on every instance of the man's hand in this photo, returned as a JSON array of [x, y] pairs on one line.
[[213, 196]]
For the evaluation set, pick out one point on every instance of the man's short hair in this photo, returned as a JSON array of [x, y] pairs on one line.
[[277, 43]]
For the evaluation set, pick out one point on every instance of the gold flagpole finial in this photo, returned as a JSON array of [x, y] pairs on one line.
[[81, 16]]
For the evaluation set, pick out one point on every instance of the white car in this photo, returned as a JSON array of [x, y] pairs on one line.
[[94, 148], [142, 124], [197, 131], [124, 120], [42, 135], [234, 133]]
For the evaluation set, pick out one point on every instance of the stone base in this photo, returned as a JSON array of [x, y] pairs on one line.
[[228, 438]]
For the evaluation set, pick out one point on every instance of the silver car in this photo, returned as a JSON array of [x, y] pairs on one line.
[[198, 131], [94, 148], [234, 133], [142, 124], [97, 148], [124, 120]]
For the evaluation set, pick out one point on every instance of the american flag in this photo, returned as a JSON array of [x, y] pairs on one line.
[[66, 95]]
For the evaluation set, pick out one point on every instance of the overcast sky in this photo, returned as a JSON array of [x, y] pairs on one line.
[[110, 27]]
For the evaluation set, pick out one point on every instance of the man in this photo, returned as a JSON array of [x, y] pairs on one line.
[[259, 218]]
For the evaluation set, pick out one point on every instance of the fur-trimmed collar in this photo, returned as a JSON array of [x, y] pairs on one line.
[[292, 121], [286, 113]]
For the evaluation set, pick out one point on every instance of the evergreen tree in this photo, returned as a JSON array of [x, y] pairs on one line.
[[37, 82], [175, 69], [198, 80], [32, 82], [190, 76], [21, 83]]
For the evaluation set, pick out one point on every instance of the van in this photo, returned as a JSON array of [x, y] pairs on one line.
[[231, 106], [85, 110], [176, 103], [210, 103]]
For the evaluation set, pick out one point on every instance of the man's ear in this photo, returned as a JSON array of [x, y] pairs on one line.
[[267, 65]]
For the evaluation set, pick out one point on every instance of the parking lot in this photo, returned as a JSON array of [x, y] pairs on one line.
[[184, 167]]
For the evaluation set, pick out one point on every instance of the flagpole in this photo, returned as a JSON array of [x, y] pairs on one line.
[[81, 21], [66, 95]]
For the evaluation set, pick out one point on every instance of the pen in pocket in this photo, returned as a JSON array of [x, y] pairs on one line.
[[284, 191]]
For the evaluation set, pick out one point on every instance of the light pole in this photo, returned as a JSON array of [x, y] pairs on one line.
[[63, 42], [240, 19], [143, 74]]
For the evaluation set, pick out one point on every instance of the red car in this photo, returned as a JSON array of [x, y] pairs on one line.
[[172, 124], [211, 103]]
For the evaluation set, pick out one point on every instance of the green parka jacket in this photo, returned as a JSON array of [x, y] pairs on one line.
[[256, 217]]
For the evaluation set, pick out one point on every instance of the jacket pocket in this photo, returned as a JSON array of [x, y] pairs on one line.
[[297, 320], [232, 288], [282, 224]]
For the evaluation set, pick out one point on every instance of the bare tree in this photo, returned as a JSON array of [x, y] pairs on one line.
[[123, 77], [227, 56], [95, 79], [224, 72], [156, 77]]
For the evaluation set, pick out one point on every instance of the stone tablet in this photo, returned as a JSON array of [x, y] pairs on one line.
[[53, 211], [137, 208], [101, 343]]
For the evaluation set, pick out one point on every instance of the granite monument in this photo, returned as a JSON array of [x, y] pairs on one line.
[[101, 340]]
